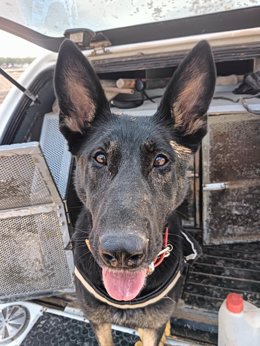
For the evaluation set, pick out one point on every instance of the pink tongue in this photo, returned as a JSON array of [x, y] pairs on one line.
[[123, 285]]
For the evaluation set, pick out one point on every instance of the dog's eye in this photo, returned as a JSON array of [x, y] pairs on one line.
[[101, 158], [160, 160]]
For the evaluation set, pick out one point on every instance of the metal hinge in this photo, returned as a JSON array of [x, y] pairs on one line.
[[88, 39], [99, 44]]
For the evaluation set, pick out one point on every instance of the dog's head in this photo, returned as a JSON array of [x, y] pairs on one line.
[[131, 171]]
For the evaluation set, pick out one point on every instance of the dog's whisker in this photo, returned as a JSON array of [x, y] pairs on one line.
[[80, 246], [82, 256], [172, 300], [75, 207], [174, 254], [175, 235], [80, 229], [79, 238], [181, 214], [175, 246]]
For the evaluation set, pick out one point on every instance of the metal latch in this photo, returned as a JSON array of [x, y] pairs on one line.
[[214, 187], [235, 184]]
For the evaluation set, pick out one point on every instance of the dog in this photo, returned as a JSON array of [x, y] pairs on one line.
[[130, 250]]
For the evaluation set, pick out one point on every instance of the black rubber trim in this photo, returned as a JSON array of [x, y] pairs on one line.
[[47, 42]]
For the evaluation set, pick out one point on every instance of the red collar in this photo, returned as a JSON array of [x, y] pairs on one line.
[[165, 252]]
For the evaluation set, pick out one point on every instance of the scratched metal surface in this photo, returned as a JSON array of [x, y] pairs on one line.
[[231, 154]]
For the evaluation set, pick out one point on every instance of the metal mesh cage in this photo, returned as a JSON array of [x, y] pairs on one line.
[[31, 256], [21, 184], [59, 160], [33, 227]]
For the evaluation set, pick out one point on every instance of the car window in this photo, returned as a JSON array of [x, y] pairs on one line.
[[108, 14]]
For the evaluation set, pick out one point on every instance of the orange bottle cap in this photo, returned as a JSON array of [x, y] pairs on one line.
[[235, 303]]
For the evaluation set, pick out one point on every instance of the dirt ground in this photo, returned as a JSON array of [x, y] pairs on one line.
[[5, 85]]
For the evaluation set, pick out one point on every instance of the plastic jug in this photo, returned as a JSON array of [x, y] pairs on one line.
[[238, 322]]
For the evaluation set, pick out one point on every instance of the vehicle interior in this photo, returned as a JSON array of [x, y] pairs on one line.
[[222, 207]]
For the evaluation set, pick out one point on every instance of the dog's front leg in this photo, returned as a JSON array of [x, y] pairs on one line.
[[154, 337], [103, 334]]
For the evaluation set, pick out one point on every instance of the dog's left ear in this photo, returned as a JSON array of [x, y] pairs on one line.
[[188, 95], [81, 97]]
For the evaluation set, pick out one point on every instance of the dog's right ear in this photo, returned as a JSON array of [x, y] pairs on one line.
[[80, 95]]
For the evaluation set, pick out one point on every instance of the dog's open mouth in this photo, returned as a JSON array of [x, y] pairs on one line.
[[123, 284]]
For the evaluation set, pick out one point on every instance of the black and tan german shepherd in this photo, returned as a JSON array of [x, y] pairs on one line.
[[130, 250]]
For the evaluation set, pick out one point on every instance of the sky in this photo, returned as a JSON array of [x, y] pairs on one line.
[[12, 46]]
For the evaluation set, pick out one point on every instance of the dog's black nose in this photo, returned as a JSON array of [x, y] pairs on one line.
[[123, 251]]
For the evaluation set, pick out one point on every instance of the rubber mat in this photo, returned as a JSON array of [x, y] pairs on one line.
[[53, 330]]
